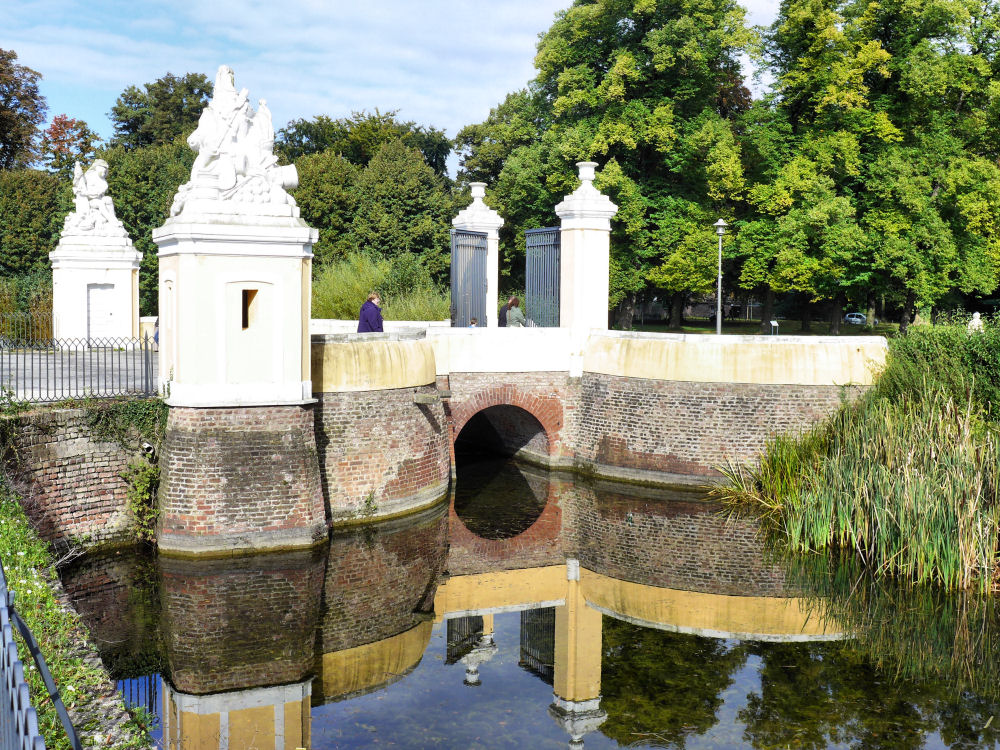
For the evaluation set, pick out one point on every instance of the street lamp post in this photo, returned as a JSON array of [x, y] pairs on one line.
[[720, 229]]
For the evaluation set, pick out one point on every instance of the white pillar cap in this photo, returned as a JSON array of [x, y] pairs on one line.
[[586, 207], [478, 217]]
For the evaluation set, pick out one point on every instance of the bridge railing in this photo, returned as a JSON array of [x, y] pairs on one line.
[[18, 718], [46, 369]]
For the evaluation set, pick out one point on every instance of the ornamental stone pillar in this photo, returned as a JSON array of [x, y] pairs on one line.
[[95, 268], [239, 466], [478, 217], [584, 262], [585, 254]]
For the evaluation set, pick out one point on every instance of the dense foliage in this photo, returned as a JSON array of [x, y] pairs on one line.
[[867, 171], [907, 476]]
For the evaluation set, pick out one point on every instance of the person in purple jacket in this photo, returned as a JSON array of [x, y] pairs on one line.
[[370, 317]]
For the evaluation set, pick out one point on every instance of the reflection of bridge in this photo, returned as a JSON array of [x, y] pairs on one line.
[[580, 599]]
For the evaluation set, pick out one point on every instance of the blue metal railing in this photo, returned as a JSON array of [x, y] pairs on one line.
[[18, 718]]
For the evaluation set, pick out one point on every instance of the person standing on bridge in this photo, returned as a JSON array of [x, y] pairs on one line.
[[515, 315], [370, 316]]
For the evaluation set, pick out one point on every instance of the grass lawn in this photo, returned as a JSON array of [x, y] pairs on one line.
[[785, 328]]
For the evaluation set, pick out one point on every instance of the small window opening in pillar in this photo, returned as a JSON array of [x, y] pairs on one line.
[[249, 308]]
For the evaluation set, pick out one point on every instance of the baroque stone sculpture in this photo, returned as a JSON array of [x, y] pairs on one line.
[[94, 213], [236, 170]]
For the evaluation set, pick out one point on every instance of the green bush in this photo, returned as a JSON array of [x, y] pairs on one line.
[[342, 286]]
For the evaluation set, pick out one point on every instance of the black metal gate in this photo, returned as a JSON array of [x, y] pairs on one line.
[[468, 277], [541, 276]]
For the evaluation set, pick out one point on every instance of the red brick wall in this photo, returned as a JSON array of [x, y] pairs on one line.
[[240, 623], [381, 444], [239, 478], [550, 397], [70, 483], [689, 428]]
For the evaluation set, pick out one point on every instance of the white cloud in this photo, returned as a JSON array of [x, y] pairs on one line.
[[440, 62]]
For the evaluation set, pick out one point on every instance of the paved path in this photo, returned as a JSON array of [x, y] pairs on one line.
[[54, 373]]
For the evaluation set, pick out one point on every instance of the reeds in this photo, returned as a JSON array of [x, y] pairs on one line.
[[906, 477]]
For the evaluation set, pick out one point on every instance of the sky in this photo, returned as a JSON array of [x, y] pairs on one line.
[[442, 63]]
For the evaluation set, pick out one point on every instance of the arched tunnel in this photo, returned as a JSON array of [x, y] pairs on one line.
[[497, 497]]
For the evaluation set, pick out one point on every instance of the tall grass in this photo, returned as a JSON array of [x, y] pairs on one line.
[[408, 292], [907, 476]]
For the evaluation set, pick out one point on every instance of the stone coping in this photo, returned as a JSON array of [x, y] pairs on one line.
[[412, 334]]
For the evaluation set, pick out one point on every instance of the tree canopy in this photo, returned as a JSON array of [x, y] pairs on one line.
[[160, 111], [22, 110], [359, 137]]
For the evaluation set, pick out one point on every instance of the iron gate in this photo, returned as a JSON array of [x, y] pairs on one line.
[[468, 277], [541, 276]]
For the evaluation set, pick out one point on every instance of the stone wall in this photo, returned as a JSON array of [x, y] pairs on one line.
[[380, 453], [637, 429], [668, 541], [238, 479], [70, 483]]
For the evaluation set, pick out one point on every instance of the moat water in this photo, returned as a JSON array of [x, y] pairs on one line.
[[535, 610]]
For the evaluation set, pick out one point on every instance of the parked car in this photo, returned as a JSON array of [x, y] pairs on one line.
[[856, 319]]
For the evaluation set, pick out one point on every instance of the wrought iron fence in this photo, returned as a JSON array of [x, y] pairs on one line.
[[21, 326], [18, 718], [541, 276], [41, 370], [468, 277]]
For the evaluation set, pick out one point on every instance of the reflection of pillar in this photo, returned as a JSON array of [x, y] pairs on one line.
[[275, 717], [479, 217], [576, 704], [484, 650]]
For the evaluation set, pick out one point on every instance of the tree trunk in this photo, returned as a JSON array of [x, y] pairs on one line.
[[624, 313], [836, 314], [870, 316], [806, 314], [677, 310], [767, 310], [909, 310]]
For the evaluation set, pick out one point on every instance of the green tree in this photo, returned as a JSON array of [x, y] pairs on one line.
[[33, 205], [142, 182], [359, 137], [402, 207], [647, 88], [65, 142], [327, 197], [159, 111], [22, 110]]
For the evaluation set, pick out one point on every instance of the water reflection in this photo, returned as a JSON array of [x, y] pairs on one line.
[[601, 616]]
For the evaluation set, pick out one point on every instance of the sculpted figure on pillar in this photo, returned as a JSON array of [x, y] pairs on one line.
[[93, 213], [236, 161]]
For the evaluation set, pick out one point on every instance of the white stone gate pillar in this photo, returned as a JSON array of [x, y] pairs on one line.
[[584, 262], [478, 217], [95, 268]]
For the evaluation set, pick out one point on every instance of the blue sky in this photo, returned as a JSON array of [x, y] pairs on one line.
[[439, 62]]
